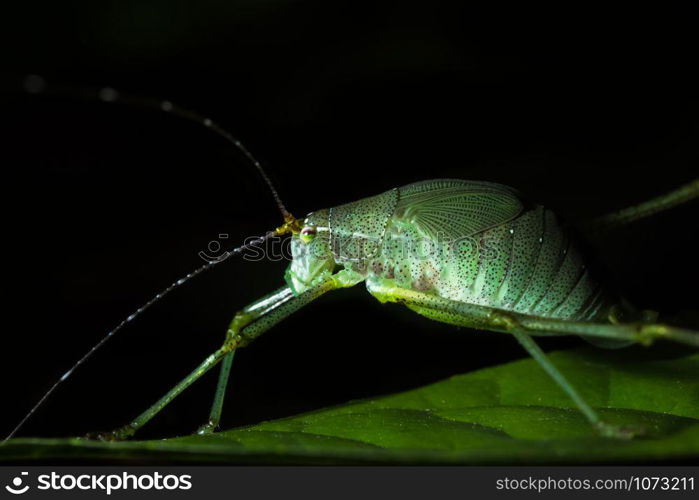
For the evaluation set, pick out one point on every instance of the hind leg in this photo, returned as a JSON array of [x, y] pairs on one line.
[[603, 428], [523, 327]]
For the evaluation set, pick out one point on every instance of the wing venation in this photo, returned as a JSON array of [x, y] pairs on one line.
[[453, 209]]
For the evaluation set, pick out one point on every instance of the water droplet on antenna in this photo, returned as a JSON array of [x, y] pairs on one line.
[[108, 94], [34, 84]]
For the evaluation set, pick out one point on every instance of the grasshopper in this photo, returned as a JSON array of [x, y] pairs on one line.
[[468, 253]]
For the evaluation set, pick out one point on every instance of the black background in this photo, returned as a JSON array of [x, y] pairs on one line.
[[585, 111]]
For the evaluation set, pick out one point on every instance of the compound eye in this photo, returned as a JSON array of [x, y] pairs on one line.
[[307, 234]]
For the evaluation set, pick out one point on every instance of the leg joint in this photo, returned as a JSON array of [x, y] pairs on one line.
[[499, 319], [235, 330], [647, 334]]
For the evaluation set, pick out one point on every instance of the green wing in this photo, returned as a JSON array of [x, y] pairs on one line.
[[452, 208]]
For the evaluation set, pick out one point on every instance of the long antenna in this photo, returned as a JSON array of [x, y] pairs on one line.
[[156, 298], [35, 85]]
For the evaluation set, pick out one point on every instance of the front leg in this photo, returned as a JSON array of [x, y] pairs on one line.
[[234, 339], [249, 315], [241, 319]]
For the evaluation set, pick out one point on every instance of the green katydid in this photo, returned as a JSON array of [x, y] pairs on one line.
[[468, 253]]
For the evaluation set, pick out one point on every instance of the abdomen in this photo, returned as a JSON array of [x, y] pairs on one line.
[[528, 265]]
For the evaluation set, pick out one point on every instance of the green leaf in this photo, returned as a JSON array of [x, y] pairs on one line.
[[506, 414]]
